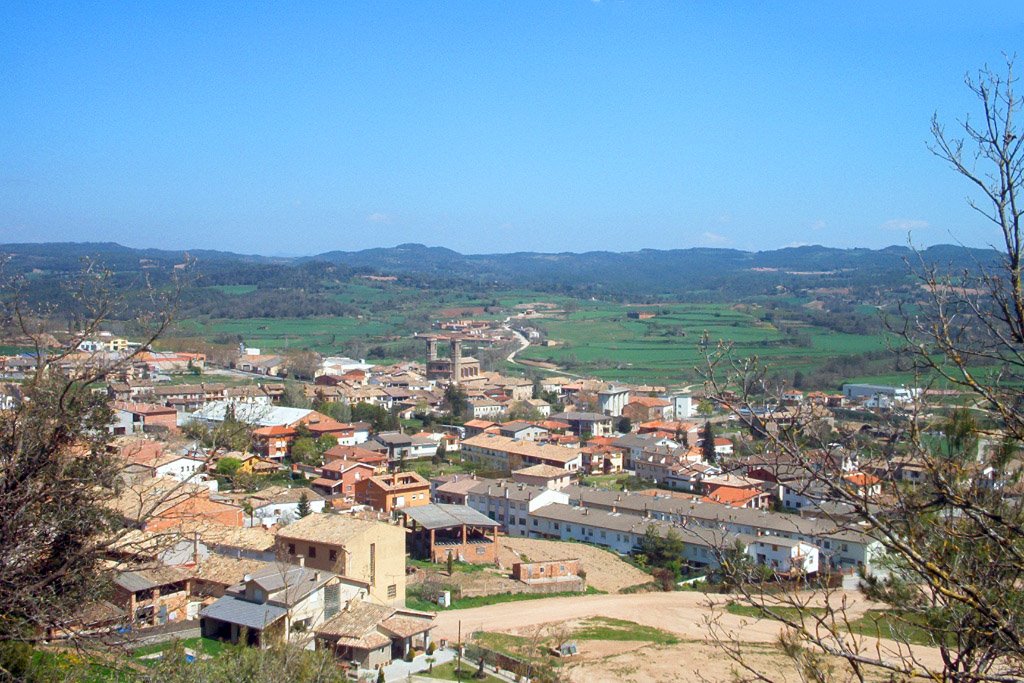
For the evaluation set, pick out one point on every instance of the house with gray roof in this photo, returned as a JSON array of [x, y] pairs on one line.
[[843, 546], [279, 603], [595, 424], [372, 635], [702, 546]]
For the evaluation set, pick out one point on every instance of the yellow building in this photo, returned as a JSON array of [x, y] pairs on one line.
[[368, 551]]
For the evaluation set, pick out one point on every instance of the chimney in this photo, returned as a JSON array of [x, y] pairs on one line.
[[302, 561]]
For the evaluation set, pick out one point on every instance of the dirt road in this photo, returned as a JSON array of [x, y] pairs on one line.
[[683, 613]]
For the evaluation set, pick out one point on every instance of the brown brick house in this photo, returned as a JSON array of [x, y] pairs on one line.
[[394, 491]]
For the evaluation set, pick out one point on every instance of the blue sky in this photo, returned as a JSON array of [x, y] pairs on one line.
[[297, 128]]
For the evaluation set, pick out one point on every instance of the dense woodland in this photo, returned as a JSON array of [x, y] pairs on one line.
[[305, 287]]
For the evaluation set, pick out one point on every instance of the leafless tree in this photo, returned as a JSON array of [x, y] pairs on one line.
[[57, 476], [947, 508]]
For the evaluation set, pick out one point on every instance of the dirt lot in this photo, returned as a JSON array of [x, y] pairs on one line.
[[684, 613], [605, 570]]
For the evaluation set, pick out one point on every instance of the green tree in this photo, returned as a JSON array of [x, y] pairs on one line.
[[707, 444], [228, 467], [457, 402], [303, 509], [334, 409], [325, 443], [250, 664], [304, 450], [295, 396], [231, 433], [377, 416], [624, 425], [662, 551], [249, 511], [705, 408]]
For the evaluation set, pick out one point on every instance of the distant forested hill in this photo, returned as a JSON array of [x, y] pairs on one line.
[[304, 286], [675, 272]]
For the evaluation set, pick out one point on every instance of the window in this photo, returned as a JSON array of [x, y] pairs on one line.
[[392, 591], [291, 548], [332, 555], [312, 551]]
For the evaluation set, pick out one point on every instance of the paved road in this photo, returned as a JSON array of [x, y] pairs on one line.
[[523, 344]]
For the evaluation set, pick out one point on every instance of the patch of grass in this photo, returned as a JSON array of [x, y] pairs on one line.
[[874, 624], [756, 613], [207, 646], [415, 602], [649, 587], [234, 290], [57, 665], [514, 646], [887, 624], [464, 567], [604, 481], [606, 628], [447, 672]]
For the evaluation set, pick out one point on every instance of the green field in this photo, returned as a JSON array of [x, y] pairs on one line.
[[597, 338], [234, 290], [602, 340], [324, 334]]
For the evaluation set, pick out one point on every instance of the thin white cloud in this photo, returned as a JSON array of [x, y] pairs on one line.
[[904, 224], [819, 225], [714, 238], [379, 218]]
